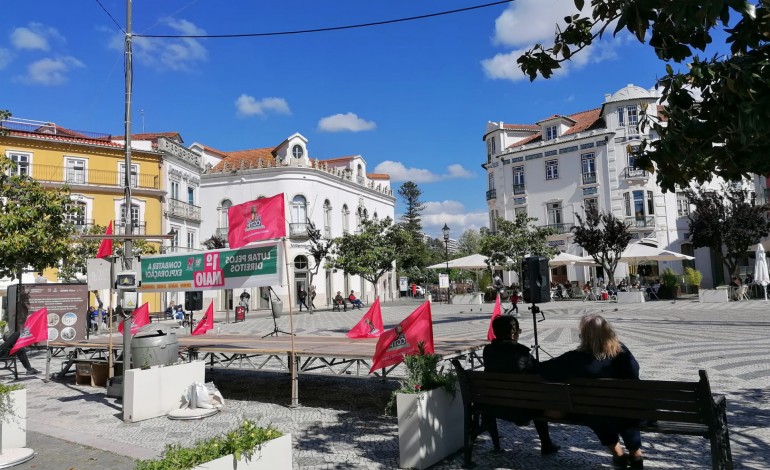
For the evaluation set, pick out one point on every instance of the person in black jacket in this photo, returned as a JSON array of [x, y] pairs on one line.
[[601, 355], [505, 355]]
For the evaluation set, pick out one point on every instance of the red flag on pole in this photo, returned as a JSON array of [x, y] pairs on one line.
[[139, 318], [262, 219], [35, 330], [402, 340], [370, 325], [207, 322], [496, 312], [105, 247]]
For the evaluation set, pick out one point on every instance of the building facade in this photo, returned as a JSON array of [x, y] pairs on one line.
[[333, 194]]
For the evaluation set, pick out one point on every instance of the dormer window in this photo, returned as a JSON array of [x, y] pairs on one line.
[[551, 132], [297, 151]]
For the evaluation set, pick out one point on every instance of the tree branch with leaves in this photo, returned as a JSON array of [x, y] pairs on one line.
[[513, 241], [604, 237]]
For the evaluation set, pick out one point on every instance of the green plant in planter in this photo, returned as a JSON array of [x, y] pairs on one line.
[[422, 375], [6, 401], [241, 441], [669, 283], [692, 276]]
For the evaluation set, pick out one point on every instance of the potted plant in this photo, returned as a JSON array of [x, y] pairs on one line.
[[248, 447], [430, 413], [693, 277], [13, 426], [669, 286]]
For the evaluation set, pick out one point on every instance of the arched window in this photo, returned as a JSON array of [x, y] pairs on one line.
[[76, 213], [359, 214], [224, 206], [345, 219], [300, 262], [299, 209], [360, 170], [375, 216], [327, 219]]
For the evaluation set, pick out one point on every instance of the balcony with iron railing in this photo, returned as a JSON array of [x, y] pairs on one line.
[[635, 174], [299, 230], [491, 194], [58, 174], [120, 227], [589, 177], [640, 221], [222, 232], [560, 229], [518, 189], [184, 210], [83, 225]]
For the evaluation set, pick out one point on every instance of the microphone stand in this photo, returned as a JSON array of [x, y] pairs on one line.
[[276, 330]]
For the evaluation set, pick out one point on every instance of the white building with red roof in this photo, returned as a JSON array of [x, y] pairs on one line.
[[334, 194]]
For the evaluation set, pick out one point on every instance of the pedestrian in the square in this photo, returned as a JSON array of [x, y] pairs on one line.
[[302, 299]]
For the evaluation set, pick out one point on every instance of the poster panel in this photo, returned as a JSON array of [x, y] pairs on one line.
[[403, 284], [251, 266], [443, 281], [67, 305]]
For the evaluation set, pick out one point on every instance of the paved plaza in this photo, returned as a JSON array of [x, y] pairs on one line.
[[340, 421]]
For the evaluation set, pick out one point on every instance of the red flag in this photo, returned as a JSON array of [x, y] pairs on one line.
[[370, 325], [35, 330], [252, 221], [139, 318], [496, 312], [207, 322], [105, 247], [402, 340]]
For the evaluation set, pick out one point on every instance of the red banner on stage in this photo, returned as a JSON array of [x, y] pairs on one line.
[[370, 325], [403, 340], [252, 221], [105, 247], [139, 318], [496, 312], [35, 330], [207, 322]]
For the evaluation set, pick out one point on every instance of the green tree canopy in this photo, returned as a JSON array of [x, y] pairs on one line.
[[716, 110], [604, 237], [320, 251], [415, 253], [469, 242], [514, 240], [728, 222], [371, 253]]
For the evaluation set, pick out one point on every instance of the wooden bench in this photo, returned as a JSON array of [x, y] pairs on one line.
[[9, 363], [665, 407]]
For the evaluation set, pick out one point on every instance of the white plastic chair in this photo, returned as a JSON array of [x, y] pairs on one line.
[[744, 292]]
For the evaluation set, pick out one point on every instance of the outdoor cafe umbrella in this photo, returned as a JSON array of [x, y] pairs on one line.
[[761, 275], [469, 263], [564, 259], [637, 253]]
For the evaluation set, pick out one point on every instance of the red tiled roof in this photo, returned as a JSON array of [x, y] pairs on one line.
[[213, 150], [554, 116], [152, 136], [584, 120], [249, 158], [331, 161], [378, 176], [65, 138]]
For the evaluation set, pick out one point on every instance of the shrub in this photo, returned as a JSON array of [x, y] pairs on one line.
[[692, 276], [6, 401], [422, 375]]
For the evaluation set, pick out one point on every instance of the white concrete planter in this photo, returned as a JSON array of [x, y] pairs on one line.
[[272, 455], [630, 297], [156, 391], [713, 295], [430, 427], [14, 427], [476, 298]]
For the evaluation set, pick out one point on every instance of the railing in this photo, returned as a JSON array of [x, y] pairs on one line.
[[491, 194], [184, 210], [632, 173], [360, 179], [298, 229], [559, 229], [641, 221], [518, 189], [139, 228], [83, 225], [589, 177], [58, 174], [222, 232], [42, 127]]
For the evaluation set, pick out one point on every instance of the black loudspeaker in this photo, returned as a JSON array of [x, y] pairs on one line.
[[535, 280], [193, 300]]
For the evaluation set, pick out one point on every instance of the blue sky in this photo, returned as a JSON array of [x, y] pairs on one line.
[[413, 98]]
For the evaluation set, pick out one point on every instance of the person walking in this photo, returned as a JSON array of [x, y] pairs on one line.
[[302, 297], [312, 297]]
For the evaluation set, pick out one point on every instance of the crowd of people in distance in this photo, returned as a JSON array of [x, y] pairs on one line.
[[600, 354]]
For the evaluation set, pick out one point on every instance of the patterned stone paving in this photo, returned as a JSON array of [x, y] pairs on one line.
[[340, 423]]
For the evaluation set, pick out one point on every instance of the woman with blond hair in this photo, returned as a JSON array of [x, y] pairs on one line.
[[601, 355]]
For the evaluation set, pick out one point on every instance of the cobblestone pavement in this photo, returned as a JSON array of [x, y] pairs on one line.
[[340, 423]]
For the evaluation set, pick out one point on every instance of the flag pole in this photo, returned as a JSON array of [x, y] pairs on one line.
[[110, 372], [292, 357]]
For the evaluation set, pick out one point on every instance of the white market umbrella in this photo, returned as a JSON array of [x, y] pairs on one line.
[[564, 259], [469, 263], [761, 275], [637, 253]]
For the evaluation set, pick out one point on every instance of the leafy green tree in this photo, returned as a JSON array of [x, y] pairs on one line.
[[320, 251], [34, 230], [604, 237], [80, 251], [4, 114], [716, 109], [469, 242], [513, 241], [371, 253], [414, 252], [215, 242], [728, 222]]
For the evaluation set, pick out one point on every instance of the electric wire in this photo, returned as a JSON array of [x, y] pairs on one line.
[[111, 17], [323, 30]]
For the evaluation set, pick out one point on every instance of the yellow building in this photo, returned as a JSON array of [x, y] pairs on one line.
[[93, 166]]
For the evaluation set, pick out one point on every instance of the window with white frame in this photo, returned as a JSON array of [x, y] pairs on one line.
[[175, 234], [191, 196], [491, 181], [21, 163], [621, 116], [75, 212], [175, 190], [588, 165], [682, 205], [633, 115], [76, 170], [517, 211], [345, 219], [493, 220], [327, 218], [551, 132], [134, 215], [122, 174], [650, 203], [518, 176], [590, 204], [639, 204], [551, 169], [190, 239], [299, 209], [224, 222], [554, 213]]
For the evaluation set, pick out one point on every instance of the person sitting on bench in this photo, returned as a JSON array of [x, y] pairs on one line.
[[505, 355], [339, 301], [354, 301], [601, 355], [21, 353]]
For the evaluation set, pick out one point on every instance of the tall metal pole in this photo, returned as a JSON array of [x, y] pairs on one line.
[[446, 256], [127, 244]]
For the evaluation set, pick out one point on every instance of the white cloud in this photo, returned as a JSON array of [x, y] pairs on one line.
[[6, 56], [50, 72], [249, 106], [452, 213], [34, 37], [526, 23], [398, 172], [181, 54], [348, 122]]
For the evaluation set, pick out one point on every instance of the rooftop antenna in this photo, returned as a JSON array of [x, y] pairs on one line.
[[142, 111]]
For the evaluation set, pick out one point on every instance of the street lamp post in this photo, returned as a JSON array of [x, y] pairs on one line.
[[446, 254]]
